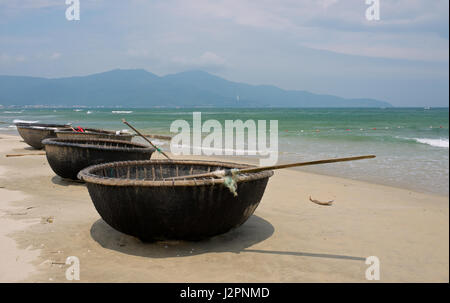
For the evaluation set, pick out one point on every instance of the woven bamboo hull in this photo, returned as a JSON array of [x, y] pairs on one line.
[[33, 136], [176, 212], [93, 134], [67, 160]]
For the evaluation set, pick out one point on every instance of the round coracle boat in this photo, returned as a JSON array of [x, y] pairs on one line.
[[68, 156], [139, 198], [92, 133], [34, 133]]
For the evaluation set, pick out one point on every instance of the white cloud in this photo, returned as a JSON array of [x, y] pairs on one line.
[[5, 58], [410, 46], [327, 3], [55, 56], [206, 60], [30, 4], [133, 52], [39, 4], [20, 58], [255, 41], [408, 29], [209, 58]]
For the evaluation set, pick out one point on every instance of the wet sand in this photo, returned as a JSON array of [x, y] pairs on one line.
[[45, 219]]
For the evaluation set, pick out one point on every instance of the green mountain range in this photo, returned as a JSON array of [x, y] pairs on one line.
[[140, 88]]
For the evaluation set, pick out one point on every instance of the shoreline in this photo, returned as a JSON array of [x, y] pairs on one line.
[[253, 161], [288, 239]]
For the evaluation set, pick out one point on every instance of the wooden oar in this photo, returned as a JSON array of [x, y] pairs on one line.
[[229, 172], [143, 137], [21, 155]]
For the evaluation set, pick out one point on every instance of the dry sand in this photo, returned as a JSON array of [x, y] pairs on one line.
[[45, 219]]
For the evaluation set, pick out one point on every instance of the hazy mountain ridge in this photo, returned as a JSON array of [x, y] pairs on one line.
[[139, 88]]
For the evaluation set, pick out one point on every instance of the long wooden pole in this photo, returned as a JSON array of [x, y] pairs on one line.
[[21, 155], [259, 169], [273, 167], [143, 137]]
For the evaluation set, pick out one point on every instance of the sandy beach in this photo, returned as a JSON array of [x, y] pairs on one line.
[[45, 219]]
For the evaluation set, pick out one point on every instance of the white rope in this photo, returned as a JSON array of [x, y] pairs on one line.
[[231, 181]]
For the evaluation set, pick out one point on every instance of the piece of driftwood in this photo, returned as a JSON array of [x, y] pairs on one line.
[[28, 154], [327, 203]]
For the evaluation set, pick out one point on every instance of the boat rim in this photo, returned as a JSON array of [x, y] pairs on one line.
[[41, 126], [77, 142], [87, 175], [94, 132]]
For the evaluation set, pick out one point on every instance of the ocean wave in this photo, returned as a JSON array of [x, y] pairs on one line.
[[122, 111], [23, 121], [158, 142], [222, 151], [433, 142], [9, 112], [154, 141]]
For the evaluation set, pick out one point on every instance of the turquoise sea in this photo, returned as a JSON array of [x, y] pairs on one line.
[[411, 144]]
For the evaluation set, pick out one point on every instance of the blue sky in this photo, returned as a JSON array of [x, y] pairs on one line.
[[323, 46]]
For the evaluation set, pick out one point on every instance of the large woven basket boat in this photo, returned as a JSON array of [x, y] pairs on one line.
[[68, 156], [138, 198], [34, 133], [92, 133]]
